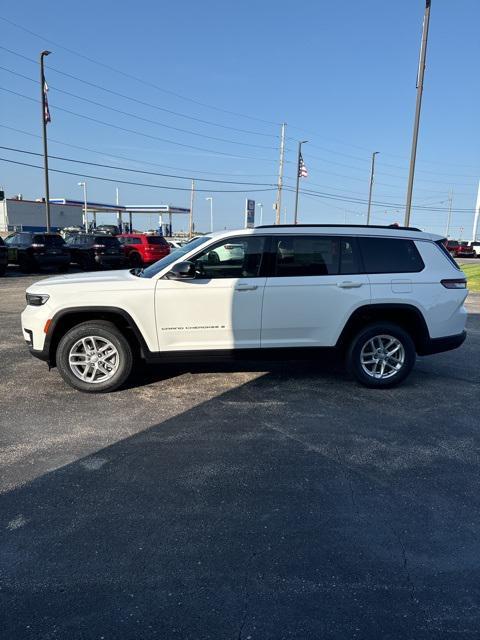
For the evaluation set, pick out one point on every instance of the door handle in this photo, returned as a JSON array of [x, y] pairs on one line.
[[246, 287], [348, 284]]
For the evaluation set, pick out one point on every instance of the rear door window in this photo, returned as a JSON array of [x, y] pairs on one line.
[[390, 255], [314, 256], [157, 240]]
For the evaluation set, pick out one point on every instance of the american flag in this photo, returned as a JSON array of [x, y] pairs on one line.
[[302, 169], [46, 114]]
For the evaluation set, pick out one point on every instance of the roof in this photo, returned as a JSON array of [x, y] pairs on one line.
[[335, 229]]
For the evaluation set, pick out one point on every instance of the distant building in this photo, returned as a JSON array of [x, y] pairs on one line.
[[17, 214]]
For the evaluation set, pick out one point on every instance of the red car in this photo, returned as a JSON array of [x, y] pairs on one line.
[[459, 249], [141, 250]]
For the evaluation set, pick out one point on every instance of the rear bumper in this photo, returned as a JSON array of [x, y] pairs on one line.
[[438, 345], [108, 261], [51, 260]]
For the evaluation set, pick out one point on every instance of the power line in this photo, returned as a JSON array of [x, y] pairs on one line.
[[137, 117], [329, 196], [136, 78], [129, 169], [139, 133], [145, 162], [136, 184]]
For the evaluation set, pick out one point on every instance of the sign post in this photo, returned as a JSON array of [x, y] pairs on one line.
[[249, 214]]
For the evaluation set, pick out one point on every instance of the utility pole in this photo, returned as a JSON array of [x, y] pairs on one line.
[[210, 199], [45, 119], [449, 218], [477, 216], [418, 108], [278, 204], [190, 218], [372, 177], [299, 169]]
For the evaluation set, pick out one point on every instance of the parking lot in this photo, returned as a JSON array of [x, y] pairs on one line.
[[236, 501]]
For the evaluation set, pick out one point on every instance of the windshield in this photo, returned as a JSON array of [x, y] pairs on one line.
[[156, 267]]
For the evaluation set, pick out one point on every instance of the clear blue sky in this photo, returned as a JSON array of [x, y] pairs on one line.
[[341, 74]]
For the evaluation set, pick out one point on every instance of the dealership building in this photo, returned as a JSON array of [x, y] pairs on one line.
[[17, 214]]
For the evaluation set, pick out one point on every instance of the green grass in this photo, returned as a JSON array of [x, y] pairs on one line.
[[472, 271]]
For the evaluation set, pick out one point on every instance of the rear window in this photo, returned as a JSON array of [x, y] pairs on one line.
[[156, 240], [390, 255], [441, 245], [50, 241], [108, 241], [452, 243]]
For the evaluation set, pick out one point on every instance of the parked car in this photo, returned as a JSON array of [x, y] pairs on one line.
[[141, 250], [110, 229], [3, 257], [174, 244], [460, 249], [93, 251], [376, 295], [476, 248], [32, 251]]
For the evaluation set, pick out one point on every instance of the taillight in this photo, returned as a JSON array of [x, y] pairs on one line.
[[455, 283]]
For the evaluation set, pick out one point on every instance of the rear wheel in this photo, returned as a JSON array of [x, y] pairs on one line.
[[3, 269], [381, 355], [135, 260], [25, 264], [94, 357]]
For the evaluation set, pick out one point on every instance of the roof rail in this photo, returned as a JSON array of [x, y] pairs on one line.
[[360, 226]]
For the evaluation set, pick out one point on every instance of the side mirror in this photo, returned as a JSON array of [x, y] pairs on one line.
[[181, 271]]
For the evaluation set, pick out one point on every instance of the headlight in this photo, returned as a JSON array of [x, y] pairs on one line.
[[36, 299]]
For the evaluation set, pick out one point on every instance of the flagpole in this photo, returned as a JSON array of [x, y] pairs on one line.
[[295, 218], [44, 135]]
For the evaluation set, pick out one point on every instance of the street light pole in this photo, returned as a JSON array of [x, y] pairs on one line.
[[45, 115], [372, 177], [295, 217], [418, 108], [259, 204], [85, 218], [211, 212], [190, 217]]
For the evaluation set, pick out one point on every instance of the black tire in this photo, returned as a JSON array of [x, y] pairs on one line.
[[135, 260], [85, 263], [25, 264], [3, 269], [361, 340], [103, 330]]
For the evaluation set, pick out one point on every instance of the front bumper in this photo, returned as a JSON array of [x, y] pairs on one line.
[[438, 345]]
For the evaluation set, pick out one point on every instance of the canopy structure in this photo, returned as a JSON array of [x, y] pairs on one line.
[[151, 209]]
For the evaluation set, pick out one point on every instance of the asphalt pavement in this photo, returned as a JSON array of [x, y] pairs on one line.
[[246, 502]]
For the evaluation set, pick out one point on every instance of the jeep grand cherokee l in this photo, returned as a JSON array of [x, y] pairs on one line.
[[376, 295]]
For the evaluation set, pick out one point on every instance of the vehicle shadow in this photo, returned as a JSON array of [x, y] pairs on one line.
[[281, 508]]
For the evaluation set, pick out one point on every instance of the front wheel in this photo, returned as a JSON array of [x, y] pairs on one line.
[[381, 355], [94, 357]]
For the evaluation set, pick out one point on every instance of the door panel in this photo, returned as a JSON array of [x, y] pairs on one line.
[[310, 311], [314, 287], [222, 307], [209, 314]]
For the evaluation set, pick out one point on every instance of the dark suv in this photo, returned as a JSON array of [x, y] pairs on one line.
[[92, 251], [32, 251], [3, 257]]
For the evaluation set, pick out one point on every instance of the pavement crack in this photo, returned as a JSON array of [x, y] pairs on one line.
[[246, 597]]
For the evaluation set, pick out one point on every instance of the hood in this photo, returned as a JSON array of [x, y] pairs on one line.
[[114, 278]]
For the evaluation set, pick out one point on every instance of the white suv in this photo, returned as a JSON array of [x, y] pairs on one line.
[[377, 295]]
